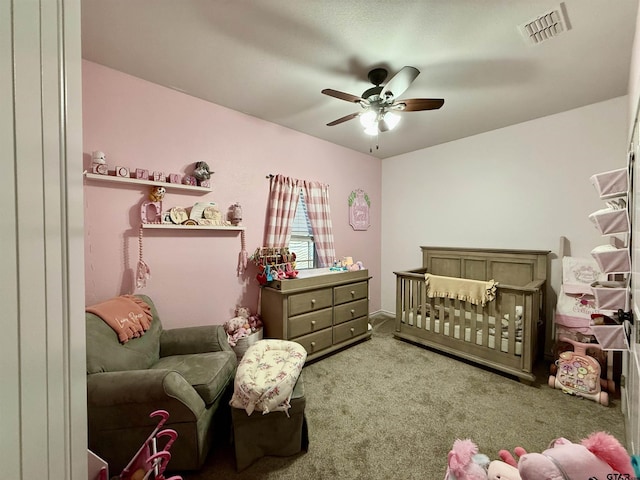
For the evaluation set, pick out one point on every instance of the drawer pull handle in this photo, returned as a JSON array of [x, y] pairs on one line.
[[313, 345], [313, 324], [352, 312], [353, 293], [352, 330], [313, 301]]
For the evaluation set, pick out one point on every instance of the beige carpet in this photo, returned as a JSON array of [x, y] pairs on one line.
[[388, 409]]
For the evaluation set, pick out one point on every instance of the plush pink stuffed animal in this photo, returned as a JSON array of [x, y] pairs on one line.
[[598, 456], [499, 470], [465, 463]]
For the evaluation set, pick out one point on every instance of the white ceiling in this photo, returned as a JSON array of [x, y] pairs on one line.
[[271, 58]]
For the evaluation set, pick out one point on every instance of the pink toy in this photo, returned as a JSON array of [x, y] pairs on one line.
[[499, 470], [599, 456], [578, 373], [465, 463], [238, 326]]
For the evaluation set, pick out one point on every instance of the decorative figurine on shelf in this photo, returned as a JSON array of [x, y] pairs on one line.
[[202, 172], [157, 194], [189, 180], [99, 163], [235, 214]]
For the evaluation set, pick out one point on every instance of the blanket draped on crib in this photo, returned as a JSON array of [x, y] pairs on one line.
[[474, 291]]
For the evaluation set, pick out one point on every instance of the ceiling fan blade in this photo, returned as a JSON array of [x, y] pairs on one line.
[[341, 95], [343, 119], [400, 81], [417, 104]]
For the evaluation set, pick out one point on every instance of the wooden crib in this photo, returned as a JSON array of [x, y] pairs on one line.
[[504, 333]]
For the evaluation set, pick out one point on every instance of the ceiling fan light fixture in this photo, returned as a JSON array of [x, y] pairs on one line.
[[371, 129], [368, 119], [391, 119]]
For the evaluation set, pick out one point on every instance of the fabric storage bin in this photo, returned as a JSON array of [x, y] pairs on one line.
[[611, 259], [243, 343], [612, 183], [611, 220], [578, 273], [611, 295], [611, 337]]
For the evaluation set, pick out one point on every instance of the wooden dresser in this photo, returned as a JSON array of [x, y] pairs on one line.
[[323, 312]]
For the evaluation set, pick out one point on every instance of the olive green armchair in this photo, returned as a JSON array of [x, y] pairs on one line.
[[188, 372]]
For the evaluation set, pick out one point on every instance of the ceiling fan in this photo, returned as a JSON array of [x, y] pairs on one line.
[[380, 103]]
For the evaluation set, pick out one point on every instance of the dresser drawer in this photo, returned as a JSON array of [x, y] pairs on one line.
[[353, 291], [310, 301], [314, 342], [351, 329], [309, 322], [349, 311]]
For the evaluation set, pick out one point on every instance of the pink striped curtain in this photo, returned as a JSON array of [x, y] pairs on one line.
[[283, 200], [316, 196]]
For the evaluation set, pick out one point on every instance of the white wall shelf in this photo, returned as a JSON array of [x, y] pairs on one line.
[[151, 183], [169, 226]]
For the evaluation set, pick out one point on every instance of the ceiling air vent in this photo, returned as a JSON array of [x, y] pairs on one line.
[[546, 26]]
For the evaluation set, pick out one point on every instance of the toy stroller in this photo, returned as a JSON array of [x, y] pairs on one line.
[[149, 462]]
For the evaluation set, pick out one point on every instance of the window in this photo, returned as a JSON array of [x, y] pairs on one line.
[[301, 242]]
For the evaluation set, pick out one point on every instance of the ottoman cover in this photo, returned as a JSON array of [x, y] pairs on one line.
[[266, 376]]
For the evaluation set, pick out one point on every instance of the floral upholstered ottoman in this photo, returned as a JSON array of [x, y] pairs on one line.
[[268, 402]]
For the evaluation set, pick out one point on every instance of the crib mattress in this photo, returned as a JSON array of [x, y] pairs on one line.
[[443, 327]]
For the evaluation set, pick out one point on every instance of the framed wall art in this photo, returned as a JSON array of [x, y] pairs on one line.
[[359, 204]]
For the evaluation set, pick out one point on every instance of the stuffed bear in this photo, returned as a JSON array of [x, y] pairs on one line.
[[465, 463], [598, 456]]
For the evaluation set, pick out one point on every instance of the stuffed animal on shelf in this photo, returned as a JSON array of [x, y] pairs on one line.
[[465, 463], [202, 171], [157, 193], [600, 455]]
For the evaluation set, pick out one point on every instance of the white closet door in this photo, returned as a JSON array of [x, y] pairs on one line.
[[42, 399]]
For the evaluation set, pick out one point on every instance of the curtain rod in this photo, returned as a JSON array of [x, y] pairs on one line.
[[271, 175]]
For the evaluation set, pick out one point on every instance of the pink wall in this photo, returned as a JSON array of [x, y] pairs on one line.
[[193, 274]]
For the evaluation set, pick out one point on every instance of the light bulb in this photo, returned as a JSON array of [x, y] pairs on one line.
[[368, 118], [371, 129], [392, 119]]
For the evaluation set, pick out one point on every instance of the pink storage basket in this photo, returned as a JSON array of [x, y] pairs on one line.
[[612, 183], [611, 337], [611, 259], [611, 295], [573, 311], [611, 221]]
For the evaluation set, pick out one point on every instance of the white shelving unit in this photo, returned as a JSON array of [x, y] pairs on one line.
[[171, 226], [151, 183]]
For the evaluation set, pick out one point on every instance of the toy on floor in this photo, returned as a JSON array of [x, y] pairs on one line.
[[150, 461], [598, 456], [578, 373], [465, 463]]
